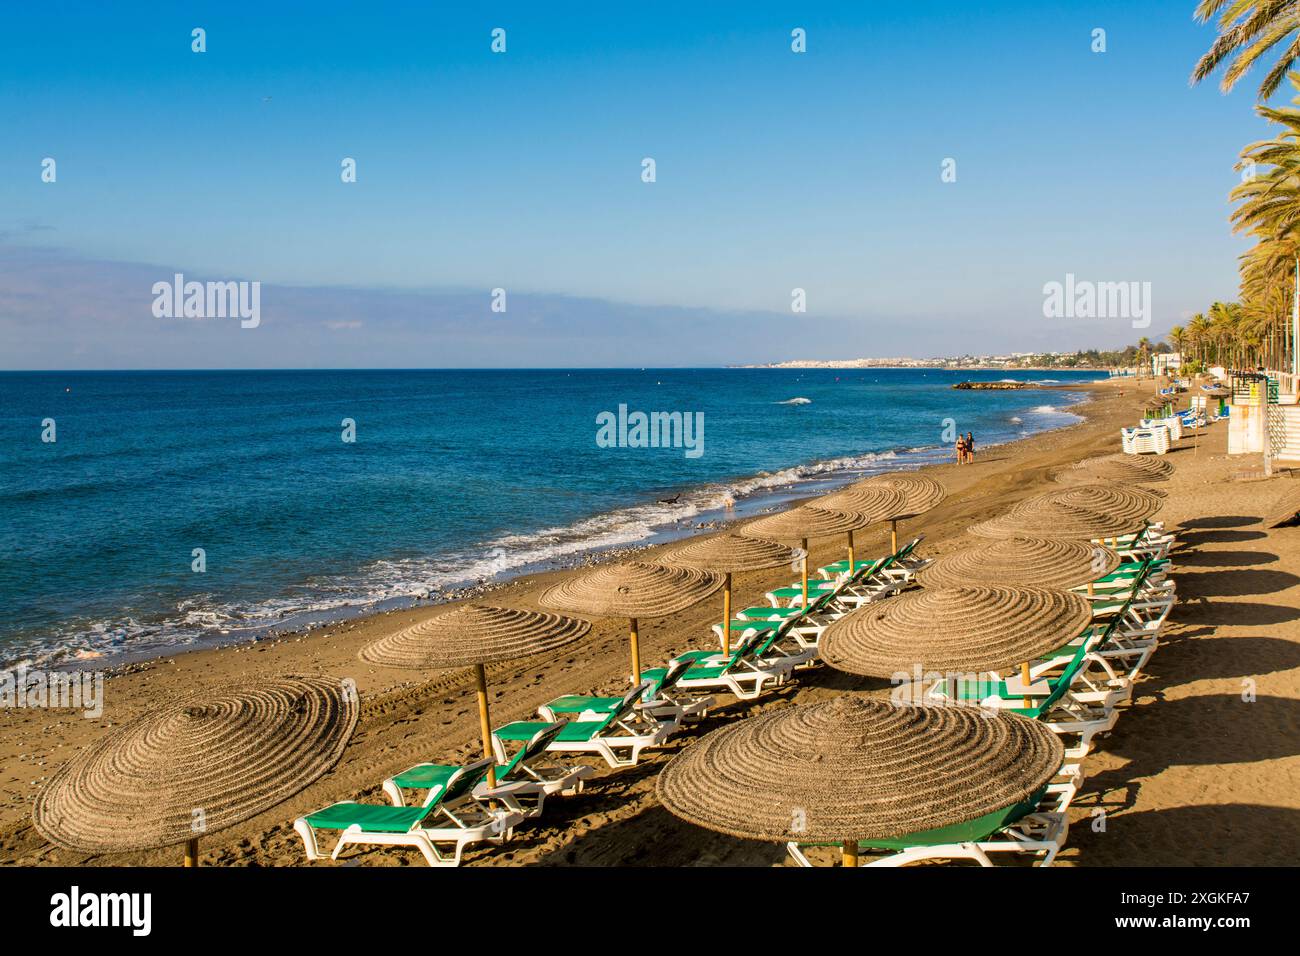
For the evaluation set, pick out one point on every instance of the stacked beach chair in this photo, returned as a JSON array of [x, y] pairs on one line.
[[1154, 434], [1151, 437]]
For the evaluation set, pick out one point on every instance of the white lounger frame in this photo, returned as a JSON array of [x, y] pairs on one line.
[[497, 828]]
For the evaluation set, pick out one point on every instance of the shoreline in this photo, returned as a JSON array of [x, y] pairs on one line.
[[767, 491], [131, 685], [1160, 772]]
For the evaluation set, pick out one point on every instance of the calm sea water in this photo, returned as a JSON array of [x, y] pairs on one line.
[[453, 477]]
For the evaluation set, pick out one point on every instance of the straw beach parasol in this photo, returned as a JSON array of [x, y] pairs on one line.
[[854, 769], [202, 763], [970, 630], [1130, 469], [1110, 499], [633, 590], [728, 554], [473, 635], [800, 524], [1041, 562], [1285, 508], [1056, 519], [921, 493], [870, 503]]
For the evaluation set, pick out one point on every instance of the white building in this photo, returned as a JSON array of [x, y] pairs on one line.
[[1166, 363]]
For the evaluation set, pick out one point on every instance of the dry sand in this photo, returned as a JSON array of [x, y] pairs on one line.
[[1193, 774]]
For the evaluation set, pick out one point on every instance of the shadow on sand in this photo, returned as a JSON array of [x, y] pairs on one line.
[[1224, 559], [1218, 521], [1224, 834], [1234, 582], [1208, 730]]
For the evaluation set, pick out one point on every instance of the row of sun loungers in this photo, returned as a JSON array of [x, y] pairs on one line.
[[1076, 691], [440, 809]]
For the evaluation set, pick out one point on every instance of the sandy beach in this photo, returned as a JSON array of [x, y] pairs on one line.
[[1201, 769]]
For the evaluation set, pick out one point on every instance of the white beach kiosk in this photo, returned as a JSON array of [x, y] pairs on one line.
[[1265, 416]]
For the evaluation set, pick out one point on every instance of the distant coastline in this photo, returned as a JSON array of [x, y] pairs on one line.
[[946, 364]]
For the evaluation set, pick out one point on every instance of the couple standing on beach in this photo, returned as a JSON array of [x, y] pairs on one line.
[[966, 449]]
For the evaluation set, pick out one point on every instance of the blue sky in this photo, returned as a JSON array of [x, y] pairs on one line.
[[775, 170]]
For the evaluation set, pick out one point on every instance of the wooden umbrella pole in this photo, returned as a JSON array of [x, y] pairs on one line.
[[636, 653], [803, 565], [1024, 679], [726, 615], [850, 554], [192, 851], [893, 535], [850, 853], [485, 724]]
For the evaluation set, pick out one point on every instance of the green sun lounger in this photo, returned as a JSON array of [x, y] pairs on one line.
[[520, 785], [1057, 709], [746, 672], [1073, 701], [622, 729], [659, 699], [899, 557], [836, 568], [449, 815], [863, 571], [768, 613], [1022, 828]]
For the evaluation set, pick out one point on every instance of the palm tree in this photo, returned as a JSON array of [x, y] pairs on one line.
[[1269, 211], [1197, 332], [1177, 339], [1229, 333], [1267, 283], [1249, 29]]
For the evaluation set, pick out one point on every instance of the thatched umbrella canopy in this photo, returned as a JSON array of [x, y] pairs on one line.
[[871, 503], [634, 589], [473, 635], [921, 493], [800, 524], [966, 630], [1038, 562], [201, 763], [1056, 519], [1128, 469], [1106, 497], [1285, 507], [854, 769], [729, 554]]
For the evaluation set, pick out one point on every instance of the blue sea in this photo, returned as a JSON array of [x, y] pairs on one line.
[[453, 477]]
